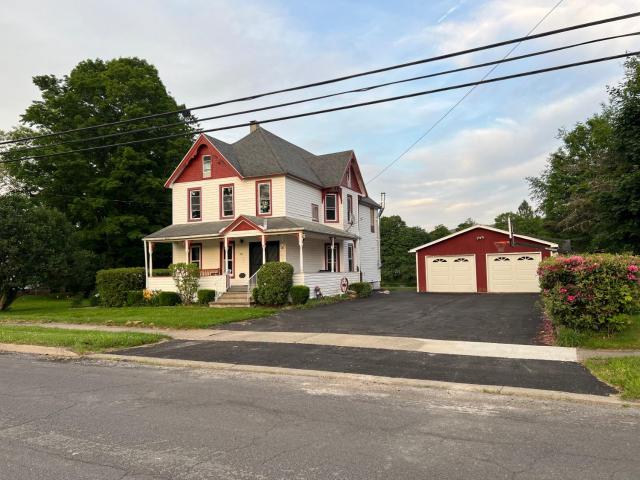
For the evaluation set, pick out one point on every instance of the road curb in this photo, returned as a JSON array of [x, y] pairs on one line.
[[586, 354], [368, 379], [37, 350]]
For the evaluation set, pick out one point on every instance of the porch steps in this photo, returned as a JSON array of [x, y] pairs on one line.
[[236, 296]]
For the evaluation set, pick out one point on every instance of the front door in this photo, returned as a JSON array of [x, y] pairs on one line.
[[255, 255]]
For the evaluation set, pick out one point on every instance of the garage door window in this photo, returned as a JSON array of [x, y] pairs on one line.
[[458, 260], [501, 259], [521, 259], [439, 260]]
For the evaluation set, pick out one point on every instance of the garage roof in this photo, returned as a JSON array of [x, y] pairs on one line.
[[484, 227]]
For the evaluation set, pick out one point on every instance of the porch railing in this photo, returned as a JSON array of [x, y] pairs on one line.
[[253, 283], [204, 272]]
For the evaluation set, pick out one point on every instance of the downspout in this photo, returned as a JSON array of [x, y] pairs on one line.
[[383, 199]]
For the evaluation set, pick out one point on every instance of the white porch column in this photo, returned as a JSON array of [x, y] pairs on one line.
[[333, 254], [186, 251], [356, 255], [146, 269], [300, 243], [263, 240], [151, 247], [226, 256]]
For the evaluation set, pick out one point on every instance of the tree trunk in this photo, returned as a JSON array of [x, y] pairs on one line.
[[7, 296]]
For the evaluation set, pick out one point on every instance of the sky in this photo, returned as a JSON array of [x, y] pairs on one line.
[[473, 164]]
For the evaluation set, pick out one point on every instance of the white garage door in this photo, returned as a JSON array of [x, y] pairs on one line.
[[451, 273], [513, 272]]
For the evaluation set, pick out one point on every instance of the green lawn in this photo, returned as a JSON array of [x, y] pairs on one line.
[[623, 372], [80, 341], [627, 339], [49, 309]]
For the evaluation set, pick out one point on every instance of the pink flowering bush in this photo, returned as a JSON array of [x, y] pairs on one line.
[[591, 292]]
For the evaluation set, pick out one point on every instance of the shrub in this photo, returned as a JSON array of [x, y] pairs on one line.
[[362, 289], [135, 298], [590, 292], [186, 277], [274, 282], [168, 299], [161, 272], [205, 296], [113, 284], [299, 294]]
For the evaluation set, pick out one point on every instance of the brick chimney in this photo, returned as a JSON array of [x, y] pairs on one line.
[[253, 126]]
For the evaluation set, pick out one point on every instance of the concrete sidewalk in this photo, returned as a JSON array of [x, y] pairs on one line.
[[407, 344]]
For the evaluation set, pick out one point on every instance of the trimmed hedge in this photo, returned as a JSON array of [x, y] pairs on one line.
[[274, 280], [135, 298], [114, 284], [168, 299], [299, 294], [590, 292], [362, 289], [205, 296]]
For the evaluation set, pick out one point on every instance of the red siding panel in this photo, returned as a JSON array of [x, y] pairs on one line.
[[478, 241]]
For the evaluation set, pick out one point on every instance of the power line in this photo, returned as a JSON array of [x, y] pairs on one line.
[[334, 80], [336, 94], [455, 105], [343, 107]]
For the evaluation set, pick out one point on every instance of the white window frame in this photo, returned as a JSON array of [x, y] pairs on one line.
[[206, 159], [199, 217], [233, 205], [315, 212], [350, 260], [334, 208]]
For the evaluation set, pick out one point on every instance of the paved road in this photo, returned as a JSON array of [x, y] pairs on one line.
[[541, 374], [81, 420], [497, 318]]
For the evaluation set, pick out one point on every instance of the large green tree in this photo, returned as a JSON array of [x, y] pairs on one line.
[[114, 196], [37, 247], [396, 238], [590, 189], [524, 221]]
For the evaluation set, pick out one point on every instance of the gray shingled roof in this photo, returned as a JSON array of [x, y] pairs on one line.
[[262, 153], [274, 224], [369, 202]]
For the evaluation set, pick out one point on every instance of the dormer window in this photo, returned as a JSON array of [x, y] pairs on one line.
[[263, 198], [206, 166]]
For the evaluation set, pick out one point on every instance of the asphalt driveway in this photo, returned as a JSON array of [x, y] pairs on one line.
[[496, 318]]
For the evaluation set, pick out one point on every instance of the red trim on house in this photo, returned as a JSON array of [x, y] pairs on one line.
[[243, 222], [357, 182], [478, 242], [336, 253], [191, 245], [223, 267], [220, 200], [324, 206], [189, 190], [194, 152], [258, 183]]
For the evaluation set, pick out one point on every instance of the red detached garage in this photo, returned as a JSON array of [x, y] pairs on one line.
[[481, 259]]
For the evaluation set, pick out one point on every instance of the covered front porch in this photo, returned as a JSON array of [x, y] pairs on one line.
[[232, 257]]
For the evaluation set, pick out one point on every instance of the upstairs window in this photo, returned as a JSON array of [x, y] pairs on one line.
[[206, 166], [195, 204], [226, 201], [331, 207], [372, 219], [264, 197], [315, 212], [350, 218]]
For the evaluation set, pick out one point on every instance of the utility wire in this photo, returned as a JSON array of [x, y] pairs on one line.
[[336, 94], [337, 79], [462, 99], [335, 109]]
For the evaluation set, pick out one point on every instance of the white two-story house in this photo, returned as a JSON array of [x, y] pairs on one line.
[[237, 206]]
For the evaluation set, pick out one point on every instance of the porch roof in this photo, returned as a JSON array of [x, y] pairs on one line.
[[273, 225]]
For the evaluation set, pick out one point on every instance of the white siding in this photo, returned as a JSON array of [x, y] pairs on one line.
[[244, 197], [299, 197], [166, 284], [329, 283], [369, 247]]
